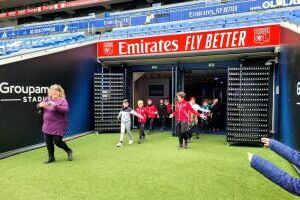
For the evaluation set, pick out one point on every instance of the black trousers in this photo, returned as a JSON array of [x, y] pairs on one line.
[[162, 120], [168, 121], [142, 132], [151, 124], [193, 129], [182, 130], [216, 120], [190, 132], [57, 140]]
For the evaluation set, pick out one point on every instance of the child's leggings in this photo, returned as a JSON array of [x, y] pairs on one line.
[[125, 126]]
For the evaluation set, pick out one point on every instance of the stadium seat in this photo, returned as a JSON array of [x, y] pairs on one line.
[[200, 25], [230, 20], [28, 44], [166, 27], [2, 50], [296, 13]]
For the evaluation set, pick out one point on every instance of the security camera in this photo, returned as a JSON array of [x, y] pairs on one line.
[[270, 62]]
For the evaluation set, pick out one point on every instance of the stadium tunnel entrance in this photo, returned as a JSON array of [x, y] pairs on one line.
[[207, 78], [155, 85], [207, 86], [203, 84]]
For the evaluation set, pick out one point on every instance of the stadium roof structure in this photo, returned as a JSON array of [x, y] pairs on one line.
[[29, 7], [18, 3]]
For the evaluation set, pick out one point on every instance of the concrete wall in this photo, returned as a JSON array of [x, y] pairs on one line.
[[141, 89]]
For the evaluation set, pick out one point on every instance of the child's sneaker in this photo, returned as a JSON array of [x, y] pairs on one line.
[[130, 142], [180, 147], [140, 140], [120, 144]]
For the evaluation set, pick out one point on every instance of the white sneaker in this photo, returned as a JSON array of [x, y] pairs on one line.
[[130, 142], [120, 144], [250, 156]]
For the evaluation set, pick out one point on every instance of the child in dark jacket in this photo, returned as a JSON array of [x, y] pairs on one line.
[[141, 121], [272, 172], [162, 114]]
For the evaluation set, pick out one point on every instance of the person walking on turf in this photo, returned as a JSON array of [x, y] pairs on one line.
[[55, 108], [194, 119], [169, 112], [168, 107], [216, 115], [124, 115], [152, 114], [141, 121], [274, 173], [204, 121], [162, 114], [181, 113]]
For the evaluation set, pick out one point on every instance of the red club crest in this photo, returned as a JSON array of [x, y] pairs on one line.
[[262, 35], [108, 48]]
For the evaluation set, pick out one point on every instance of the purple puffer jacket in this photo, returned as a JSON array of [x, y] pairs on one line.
[[55, 117]]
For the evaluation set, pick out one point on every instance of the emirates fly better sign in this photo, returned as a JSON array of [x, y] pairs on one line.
[[249, 37]]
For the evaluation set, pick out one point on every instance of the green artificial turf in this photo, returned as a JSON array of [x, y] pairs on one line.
[[154, 170]]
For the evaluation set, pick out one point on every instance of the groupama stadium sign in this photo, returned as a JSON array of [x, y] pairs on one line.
[[249, 37], [22, 93]]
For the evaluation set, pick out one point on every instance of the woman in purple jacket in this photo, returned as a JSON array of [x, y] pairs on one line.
[[55, 108], [272, 172]]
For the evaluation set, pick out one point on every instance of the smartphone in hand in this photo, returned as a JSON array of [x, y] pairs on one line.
[[50, 103]]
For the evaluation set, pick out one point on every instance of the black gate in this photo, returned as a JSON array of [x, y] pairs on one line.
[[249, 105], [177, 85], [108, 96]]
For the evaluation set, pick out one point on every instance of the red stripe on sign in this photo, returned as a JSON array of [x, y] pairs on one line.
[[248, 37]]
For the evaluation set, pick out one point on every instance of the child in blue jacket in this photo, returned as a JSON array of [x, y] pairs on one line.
[[272, 172]]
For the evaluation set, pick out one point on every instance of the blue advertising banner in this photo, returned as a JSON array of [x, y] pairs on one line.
[[11, 34], [23, 32], [116, 21], [232, 8], [43, 30], [109, 22], [271, 4], [3, 35], [73, 27], [225, 9]]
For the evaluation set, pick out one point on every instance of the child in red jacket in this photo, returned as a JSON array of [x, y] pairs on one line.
[[142, 111], [182, 111], [152, 113], [169, 112], [168, 106]]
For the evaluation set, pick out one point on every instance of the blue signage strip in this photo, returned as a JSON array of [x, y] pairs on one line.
[[238, 7], [230, 8]]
